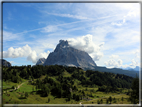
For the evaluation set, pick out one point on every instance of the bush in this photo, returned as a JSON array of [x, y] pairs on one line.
[[48, 100], [12, 87], [26, 94]]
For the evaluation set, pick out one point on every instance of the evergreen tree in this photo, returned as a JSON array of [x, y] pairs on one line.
[[48, 100], [26, 94], [98, 102], [122, 99], [101, 101], [107, 101], [110, 99], [134, 96]]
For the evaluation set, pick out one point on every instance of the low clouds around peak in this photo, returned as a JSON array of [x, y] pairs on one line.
[[85, 43], [24, 51]]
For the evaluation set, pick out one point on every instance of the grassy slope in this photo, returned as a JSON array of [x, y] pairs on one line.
[[36, 99], [33, 98]]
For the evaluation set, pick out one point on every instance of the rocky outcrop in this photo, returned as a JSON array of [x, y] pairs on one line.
[[66, 55], [40, 61], [5, 63]]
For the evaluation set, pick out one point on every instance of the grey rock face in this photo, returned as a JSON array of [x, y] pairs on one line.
[[5, 63], [40, 61], [69, 56]]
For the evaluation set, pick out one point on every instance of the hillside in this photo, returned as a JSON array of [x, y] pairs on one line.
[[69, 84]]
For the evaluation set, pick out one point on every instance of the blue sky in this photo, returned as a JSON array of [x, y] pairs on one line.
[[109, 32]]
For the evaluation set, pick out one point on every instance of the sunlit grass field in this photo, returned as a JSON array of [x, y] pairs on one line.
[[18, 96]]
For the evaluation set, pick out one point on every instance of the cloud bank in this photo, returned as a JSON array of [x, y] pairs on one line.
[[24, 51], [114, 62], [85, 43]]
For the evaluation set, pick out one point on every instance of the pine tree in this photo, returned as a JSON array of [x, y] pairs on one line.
[[26, 94], [134, 96], [106, 101], [101, 101], [122, 99], [110, 99]]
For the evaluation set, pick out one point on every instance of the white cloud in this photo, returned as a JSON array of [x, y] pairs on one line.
[[49, 28], [24, 51], [86, 44], [117, 24], [11, 62], [129, 14], [113, 63], [43, 55], [68, 15], [32, 57], [97, 56], [120, 62], [133, 63], [137, 54], [9, 36], [114, 56]]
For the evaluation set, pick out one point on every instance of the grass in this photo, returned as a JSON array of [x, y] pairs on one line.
[[66, 74], [10, 84], [117, 97], [37, 99], [33, 98], [26, 88]]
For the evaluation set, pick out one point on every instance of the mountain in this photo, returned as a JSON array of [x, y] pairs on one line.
[[137, 68], [117, 71], [5, 63], [40, 61], [66, 55]]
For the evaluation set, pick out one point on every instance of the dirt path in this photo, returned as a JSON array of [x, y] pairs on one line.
[[16, 88], [100, 98]]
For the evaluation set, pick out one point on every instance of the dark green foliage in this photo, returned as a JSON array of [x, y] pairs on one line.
[[13, 87], [134, 95], [48, 100], [101, 102], [98, 102], [122, 99], [107, 101], [45, 90], [108, 79], [110, 99], [26, 94], [108, 89]]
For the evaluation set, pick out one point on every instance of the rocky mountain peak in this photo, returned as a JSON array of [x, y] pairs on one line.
[[62, 44], [69, 56], [40, 61]]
